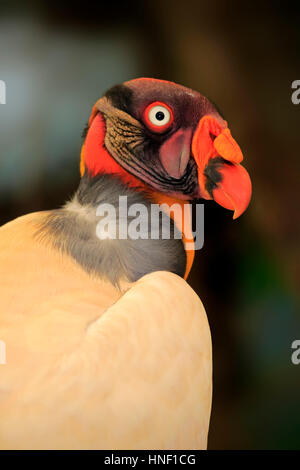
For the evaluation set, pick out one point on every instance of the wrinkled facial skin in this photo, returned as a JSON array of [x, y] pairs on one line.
[[139, 149]]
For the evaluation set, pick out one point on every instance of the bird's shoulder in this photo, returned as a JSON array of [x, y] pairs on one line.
[[142, 365]]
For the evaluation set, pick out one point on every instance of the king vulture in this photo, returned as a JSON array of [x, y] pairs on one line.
[[107, 346]]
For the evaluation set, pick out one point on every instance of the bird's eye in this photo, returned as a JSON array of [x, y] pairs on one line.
[[158, 116]]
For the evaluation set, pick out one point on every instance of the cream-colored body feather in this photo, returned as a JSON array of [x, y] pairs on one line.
[[92, 367]]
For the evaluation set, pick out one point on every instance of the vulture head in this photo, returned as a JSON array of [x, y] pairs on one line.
[[163, 136]]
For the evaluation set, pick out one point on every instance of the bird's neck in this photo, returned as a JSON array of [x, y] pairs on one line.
[[96, 161], [94, 228]]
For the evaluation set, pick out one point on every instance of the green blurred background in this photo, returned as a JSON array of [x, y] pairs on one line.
[[58, 59]]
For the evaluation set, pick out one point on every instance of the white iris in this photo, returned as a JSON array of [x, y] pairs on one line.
[[159, 115]]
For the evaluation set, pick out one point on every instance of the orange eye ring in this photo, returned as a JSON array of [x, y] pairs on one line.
[[158, 116]]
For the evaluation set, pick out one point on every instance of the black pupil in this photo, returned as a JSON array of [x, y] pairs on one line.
[[160, 116]]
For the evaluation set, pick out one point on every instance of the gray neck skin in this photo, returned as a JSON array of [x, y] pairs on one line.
[[73, 231]]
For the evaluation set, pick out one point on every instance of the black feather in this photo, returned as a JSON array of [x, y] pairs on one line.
[[120, 97]]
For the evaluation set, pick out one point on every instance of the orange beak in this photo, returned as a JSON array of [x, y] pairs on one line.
[[229, 185]]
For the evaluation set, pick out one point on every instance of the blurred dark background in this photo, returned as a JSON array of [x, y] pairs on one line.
[[58, 58]]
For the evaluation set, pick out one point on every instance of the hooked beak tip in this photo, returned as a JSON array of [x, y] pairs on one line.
[[234, 191], [236, 214]]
